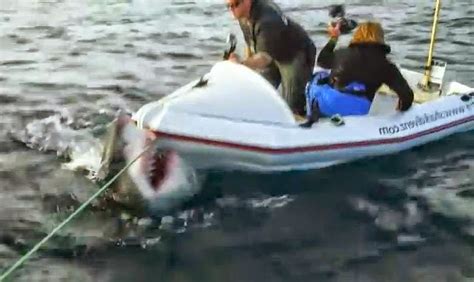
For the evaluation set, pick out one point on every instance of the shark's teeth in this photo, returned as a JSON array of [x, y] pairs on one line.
[[158, 168], [152, 165], [155, 167]]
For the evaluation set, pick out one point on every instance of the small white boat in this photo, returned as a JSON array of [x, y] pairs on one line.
[[232, 118]]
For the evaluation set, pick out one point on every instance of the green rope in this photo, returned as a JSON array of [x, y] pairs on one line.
[[67, 220]]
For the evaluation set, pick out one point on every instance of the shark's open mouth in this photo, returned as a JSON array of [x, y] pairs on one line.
[[154, 167], [160, 178], [159, 165]]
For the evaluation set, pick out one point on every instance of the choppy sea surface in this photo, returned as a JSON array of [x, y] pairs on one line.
[[70, 65]]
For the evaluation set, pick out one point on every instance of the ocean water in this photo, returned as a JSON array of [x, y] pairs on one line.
[[72, 64]]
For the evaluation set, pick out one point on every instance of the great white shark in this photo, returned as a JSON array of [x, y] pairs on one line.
[[156, 183]]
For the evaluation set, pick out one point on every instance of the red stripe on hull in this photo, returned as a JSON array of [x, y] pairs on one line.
[[290, 150]]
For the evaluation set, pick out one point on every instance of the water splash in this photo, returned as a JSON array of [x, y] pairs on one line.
[[53, 134]]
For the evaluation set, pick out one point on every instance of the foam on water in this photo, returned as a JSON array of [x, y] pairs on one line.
[[53, 134], [450, 196]]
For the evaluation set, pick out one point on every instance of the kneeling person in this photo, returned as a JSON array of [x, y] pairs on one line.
[[356, 72]]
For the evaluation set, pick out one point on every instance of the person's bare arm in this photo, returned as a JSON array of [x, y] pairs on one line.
[[258, 61]]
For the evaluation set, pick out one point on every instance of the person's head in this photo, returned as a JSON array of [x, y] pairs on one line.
[[368, 32], [240, 9]]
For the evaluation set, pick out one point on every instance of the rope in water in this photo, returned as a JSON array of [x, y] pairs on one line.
[[25, 257]]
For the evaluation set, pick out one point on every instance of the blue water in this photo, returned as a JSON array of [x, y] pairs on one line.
[[405, 217]]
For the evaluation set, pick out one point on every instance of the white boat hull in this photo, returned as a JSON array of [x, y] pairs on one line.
[[256, 131]]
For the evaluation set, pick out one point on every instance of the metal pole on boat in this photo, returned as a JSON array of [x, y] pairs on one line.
[[425, 83]]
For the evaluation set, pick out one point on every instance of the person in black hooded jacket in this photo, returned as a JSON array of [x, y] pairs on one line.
[[363, 63]]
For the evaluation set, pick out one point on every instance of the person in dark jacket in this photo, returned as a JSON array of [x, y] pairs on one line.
[[356, 72], [277, 46]]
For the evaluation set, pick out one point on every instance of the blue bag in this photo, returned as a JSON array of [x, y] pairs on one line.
[[331, 101]]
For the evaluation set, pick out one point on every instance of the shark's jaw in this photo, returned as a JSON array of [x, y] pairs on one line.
[[159, 178]]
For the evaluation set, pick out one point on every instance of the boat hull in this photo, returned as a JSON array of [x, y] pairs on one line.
[[237, 138], [208, 154]]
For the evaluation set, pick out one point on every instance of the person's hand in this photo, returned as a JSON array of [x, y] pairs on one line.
[[234, 58], [334, 31]]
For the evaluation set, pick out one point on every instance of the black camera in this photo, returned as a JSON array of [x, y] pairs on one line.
[[338, 13]]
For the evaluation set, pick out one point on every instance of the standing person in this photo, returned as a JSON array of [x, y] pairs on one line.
[[277, 46]]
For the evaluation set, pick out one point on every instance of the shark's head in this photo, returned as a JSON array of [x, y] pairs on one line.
[[158, 181]]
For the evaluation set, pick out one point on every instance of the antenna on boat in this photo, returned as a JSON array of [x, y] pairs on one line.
[[434, 70]]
